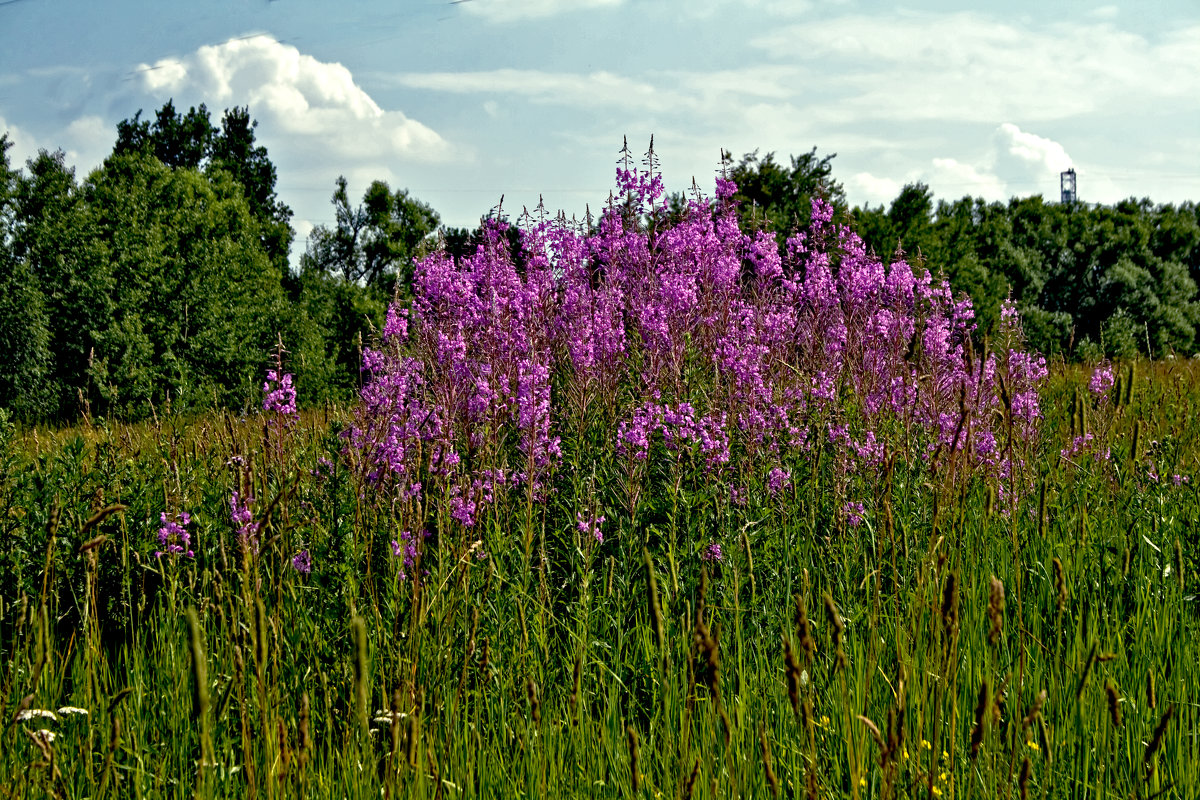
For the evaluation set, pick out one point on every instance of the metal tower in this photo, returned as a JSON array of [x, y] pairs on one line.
[[1067, 184]]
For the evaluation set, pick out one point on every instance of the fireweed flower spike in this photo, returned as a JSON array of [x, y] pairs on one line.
[[302, 562], [280, 395], [686, 340], [173, 535], [242, 520], [590, 526], [1103, 379]]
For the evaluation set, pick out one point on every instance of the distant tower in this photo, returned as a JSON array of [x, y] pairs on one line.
[[1067, 183]]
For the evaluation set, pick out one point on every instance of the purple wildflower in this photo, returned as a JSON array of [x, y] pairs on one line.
[[590, 526], [173, 536], [855, 513], [1102, 380], [302, 562], [280, 395], [405, 548], [242, 519]]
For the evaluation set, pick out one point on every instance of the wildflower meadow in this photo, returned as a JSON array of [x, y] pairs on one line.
[[655, 504]]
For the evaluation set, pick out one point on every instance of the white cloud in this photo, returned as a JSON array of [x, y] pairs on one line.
[[86, 141], [719, 94], [596, 88], [868, 189], [517, 10], [975, 68], [313, 105], [1105, 12], [951, 178], [1035, 150], [23, 145]]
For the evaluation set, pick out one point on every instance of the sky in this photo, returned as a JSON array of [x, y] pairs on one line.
[[464, 102]]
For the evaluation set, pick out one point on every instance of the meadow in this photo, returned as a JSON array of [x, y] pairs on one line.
[[651, 508]]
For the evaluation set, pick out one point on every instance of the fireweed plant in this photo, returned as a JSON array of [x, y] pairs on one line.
[[647, 507], [687, 349]]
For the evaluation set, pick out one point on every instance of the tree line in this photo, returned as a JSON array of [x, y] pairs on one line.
[[162, 278], [1090, 280]]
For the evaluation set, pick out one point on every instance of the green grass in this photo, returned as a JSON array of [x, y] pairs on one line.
[[542, 668]]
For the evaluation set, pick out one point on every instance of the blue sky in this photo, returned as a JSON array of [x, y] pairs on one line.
[[463, 102]]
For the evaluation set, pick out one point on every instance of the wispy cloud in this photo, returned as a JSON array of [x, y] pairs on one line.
[[971, 67], [520, 10], [574, 89]]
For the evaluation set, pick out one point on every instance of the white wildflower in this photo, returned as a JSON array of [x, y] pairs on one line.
[[35, 713]]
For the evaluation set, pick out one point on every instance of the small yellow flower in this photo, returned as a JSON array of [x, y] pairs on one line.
[[1034, 746], [906, 753], [945, 755], [942, 777], [937, 792], [862, 782], [825, 721], [926, 745]]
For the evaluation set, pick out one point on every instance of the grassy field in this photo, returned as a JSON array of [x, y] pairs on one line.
[[653, 508], [949, 645]]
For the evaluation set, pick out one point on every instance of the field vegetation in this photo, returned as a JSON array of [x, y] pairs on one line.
[[648, 507]]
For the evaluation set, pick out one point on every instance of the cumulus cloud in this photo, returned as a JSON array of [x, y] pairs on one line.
[[23, 146], [518, 10], [867, 189], [1037, 151], [87, 140], [950, 177], [316, 105]]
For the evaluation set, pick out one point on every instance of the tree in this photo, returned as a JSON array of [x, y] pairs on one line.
[[190, 141], [177, 140], [196, 303], [374, 242], [778, 197], [234, 150], [24, 328], [55, 241]]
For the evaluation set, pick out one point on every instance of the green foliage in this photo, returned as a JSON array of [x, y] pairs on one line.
[[778, 197], [333, 318], [375, 242], [1121, 278], [191, 141], [24, 327], [1044, 646]]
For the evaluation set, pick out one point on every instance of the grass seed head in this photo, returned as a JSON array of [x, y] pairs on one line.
[[690, 786], [1114, 703], [768, 768], [1023, 780], [1156, 739], [982, 704], [808, 645], [535, 703], [634, 758], [1060, 586], [995, 610], [950, 604]]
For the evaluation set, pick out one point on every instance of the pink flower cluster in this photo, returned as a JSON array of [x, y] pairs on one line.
[[683, 337], [173, 536], [280, 395]]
